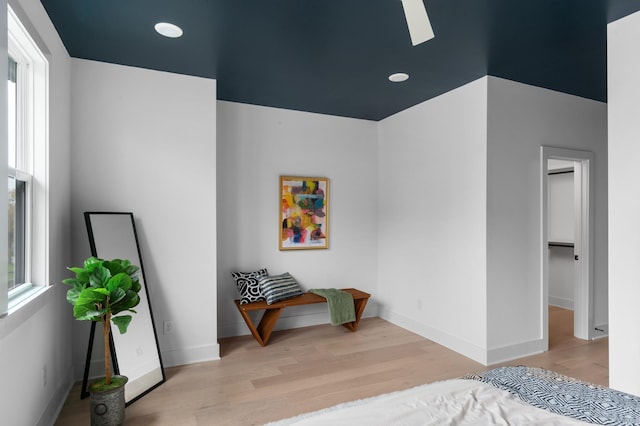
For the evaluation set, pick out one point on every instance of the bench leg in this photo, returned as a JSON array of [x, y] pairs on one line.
[[359, 306], [268, 321], [262, 333], [252, 328]]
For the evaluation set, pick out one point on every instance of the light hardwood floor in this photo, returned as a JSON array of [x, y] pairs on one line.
[[308, 369]]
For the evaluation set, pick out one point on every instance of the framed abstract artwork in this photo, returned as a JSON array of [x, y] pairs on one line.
[[304, 213]]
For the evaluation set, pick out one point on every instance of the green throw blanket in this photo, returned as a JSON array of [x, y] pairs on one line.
[[340, 303]]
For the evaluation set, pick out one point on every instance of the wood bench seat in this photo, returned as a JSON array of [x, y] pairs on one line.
[[272, 312]]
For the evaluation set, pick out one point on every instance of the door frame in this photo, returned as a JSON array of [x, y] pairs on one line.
[[583, 286]]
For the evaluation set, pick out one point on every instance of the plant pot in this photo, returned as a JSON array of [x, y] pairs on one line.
[[107, 404]]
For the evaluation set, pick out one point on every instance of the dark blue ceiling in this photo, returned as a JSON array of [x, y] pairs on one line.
[[334, 56]]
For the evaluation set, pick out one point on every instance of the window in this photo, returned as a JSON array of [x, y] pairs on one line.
[[26, 164], [18, 184]]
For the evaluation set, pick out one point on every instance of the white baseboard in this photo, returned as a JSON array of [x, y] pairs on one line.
[[600, 331], [454, 343], [96, 369], [470, 350], [561, 303], [284, 323], [54, 407], [518, 350], [170, 358], [192, 355]]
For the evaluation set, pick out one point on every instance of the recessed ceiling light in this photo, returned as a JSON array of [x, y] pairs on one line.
[[398, 77], [168, 30]]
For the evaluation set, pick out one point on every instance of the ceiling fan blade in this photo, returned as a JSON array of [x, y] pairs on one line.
[[417, 20]]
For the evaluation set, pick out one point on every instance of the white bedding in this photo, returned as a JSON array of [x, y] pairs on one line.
[[452, 402]]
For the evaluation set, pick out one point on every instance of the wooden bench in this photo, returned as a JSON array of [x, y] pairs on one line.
[[272, 312]]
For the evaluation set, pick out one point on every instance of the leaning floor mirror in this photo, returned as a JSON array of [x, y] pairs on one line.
[[136, 353]]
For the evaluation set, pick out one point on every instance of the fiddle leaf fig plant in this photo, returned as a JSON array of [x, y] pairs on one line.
[[101, 291]]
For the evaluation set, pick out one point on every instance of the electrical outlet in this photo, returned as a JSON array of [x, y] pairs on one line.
[[419, 304], [168, 327]]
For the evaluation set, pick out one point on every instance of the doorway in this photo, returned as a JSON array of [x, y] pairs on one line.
[[583, 227], [562, 210]]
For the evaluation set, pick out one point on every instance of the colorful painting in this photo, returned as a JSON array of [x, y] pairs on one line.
[[304, 213]]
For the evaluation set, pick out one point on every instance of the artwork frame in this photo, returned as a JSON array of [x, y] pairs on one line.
[[304, 213]]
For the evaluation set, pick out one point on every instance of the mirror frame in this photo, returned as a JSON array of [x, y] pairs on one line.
[[140, 387]]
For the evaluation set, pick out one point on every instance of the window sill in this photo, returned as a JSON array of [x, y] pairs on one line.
[[22, 296], [24, 306]]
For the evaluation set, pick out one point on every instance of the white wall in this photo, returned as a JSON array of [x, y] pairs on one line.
[[417, 249], [255, 146], [432, 219], [145, 141], [624, 204], [460, 185], [35, 341], [522, 118], [561, 207]]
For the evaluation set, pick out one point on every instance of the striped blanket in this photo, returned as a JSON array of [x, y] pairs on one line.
[[564, 395]]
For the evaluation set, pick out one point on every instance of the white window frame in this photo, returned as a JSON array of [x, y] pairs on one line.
[[31, 166]]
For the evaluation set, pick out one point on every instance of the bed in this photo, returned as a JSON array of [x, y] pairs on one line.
[[502, 396]]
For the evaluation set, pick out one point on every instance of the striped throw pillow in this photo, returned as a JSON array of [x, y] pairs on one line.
[[279, 287]]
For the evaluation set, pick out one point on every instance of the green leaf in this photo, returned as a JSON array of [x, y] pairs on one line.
[[114, 266], [72, 281], [86, 313], [92, 261], [77, 270], [122, 322], [81, 274], [99, 277], [117, 295], [121, 281], [131, 300], [132, 270], [90, 295], [103, 291], [72, 295], [88, 301], [135, 285]]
